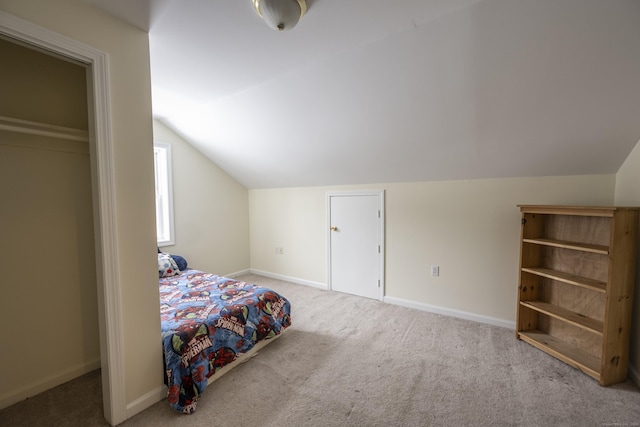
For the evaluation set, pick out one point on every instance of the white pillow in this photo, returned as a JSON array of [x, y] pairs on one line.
[[167, 267]]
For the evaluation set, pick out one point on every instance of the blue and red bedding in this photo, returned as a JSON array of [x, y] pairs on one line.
[[207, 321]]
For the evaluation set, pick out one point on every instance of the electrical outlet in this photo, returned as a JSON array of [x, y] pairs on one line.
[[435, 270]]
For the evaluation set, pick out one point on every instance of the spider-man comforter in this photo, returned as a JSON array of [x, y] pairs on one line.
[[207, 321]]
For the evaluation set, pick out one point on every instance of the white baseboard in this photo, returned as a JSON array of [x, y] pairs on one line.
[[237, 273], [146, 400], [14, 396], [289, 279], [451, 312], [402, 302]]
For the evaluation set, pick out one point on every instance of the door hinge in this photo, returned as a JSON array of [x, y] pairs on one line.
[[378, 248], [378, 213], [378, 282]]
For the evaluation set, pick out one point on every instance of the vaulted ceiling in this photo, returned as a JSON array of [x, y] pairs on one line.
[[378, 91]]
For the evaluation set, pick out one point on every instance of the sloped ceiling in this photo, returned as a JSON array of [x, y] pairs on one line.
[[377, 91]]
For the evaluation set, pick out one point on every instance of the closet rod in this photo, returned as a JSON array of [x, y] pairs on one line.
[[43, 129]]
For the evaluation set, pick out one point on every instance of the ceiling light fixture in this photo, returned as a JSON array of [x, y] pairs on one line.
[[281, 15]]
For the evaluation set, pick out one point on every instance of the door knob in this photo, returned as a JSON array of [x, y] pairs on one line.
[[334, 228]]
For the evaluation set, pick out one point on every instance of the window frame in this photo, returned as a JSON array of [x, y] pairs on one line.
[[167, 190]]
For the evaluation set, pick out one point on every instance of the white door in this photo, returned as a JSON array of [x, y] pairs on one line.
[[355, 242]]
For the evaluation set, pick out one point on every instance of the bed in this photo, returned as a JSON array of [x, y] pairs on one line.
[[209, 322]]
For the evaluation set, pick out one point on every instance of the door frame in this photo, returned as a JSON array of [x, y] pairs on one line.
[[103, 195], [381, 233]]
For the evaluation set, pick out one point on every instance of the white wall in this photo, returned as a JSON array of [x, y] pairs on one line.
[[130, 96], [211, 210], [293, 219], [48, 308], [470, 229], [628, 194]]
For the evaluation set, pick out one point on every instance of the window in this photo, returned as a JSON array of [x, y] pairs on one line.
[[164, 193]]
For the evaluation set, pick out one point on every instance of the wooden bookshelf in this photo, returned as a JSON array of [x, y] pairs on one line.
[[576, 280]]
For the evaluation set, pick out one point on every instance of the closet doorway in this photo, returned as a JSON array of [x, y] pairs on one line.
[[101, 222], [47, 254]]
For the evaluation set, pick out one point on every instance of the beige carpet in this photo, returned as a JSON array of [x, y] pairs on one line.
[[350, 361]]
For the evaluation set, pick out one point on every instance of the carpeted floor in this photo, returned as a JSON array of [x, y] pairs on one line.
[[350, 361]]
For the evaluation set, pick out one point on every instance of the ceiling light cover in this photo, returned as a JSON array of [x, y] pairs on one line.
[[281, 15]]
